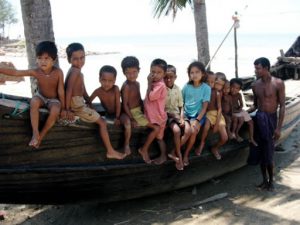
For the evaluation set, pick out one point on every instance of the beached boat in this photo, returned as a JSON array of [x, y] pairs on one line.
[[71, 166]]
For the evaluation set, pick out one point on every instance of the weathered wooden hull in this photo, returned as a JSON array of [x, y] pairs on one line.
[[70, 165]]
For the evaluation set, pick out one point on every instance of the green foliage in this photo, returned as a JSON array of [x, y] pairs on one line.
[[7, 15], [167, 6]]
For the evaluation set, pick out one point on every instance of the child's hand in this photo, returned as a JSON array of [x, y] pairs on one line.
[[133, 123], [150, 78], [181, 122], [63, 114], [215, 128], [117, 122], [196, 125], [70, 115]]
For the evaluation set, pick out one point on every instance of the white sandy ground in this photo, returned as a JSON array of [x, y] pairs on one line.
[[243, 205]]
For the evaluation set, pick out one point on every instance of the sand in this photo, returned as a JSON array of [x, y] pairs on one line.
[[242, 204]]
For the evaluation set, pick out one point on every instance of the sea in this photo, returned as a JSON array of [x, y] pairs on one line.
[[177, 49]]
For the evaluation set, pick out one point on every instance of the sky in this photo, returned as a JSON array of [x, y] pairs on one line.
[[134, 17]]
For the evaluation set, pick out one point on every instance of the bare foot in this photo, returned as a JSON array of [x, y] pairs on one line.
[[172, 156], [199, 149], [145, 156], [262, 186], [186, 161], [270, 187], [127, 150], [239, 139], [34, 141], [179, 165], [216, 153], [113, 154], [231, 136], [253, 142], [160, 160]]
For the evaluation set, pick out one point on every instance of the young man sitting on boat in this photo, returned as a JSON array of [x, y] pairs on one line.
[[269, 94]]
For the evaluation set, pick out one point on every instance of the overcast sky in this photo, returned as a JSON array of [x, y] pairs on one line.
[[134, 17]]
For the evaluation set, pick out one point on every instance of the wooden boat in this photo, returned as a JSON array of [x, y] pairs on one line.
[[71, 166]]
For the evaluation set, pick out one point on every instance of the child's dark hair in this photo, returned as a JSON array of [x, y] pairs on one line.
[[160, 63], [236, 81], [221, 76], [264, 62], [48, 47], [200, 66], [130, 62], [108, 69], [73, 48], [171, 68]]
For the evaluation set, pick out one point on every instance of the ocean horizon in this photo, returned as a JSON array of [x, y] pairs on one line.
[[177, 49]]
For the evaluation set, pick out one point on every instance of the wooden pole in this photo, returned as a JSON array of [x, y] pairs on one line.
[[236, 55]]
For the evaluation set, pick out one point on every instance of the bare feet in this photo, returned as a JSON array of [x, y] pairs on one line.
[[186, 161], [160, 160], [263, 186], [231, 136], [253, 142], [113, 154], [216, 153], [174, 157], [179, 165], [199, 149], [127, 150], [239, 139], [34, 141], [270, 187], [145, 156]]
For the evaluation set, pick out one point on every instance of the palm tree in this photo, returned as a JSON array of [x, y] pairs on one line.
[[38, 26], [167, 6]]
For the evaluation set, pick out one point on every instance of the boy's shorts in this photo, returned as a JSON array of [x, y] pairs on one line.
[[212, 117], [47, 101], [243, 114], [139, 116], [80, 109], [201, 122]]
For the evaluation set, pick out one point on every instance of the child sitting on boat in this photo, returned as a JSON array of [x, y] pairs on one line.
[[132, 103], [239, 114], [76, 96], [174, 109], [227, 108], [214, 118], [50, 93], [154, 105], [109, 96], [196, 96]]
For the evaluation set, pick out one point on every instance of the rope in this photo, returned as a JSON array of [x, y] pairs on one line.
[[17, 108]]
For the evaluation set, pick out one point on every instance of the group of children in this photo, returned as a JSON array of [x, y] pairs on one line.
[[207, 100]]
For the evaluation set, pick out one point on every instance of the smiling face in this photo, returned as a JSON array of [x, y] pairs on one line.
[[77, 59], [235, 88], [170, 78], [226, 89], [131, 73], [219, 84], [45, 62], [107, 80]]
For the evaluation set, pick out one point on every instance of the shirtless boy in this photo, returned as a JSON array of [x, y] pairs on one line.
[[50, 93], [227, 108], [109, 96], [269, 94], [239, 114], [76, 96], [214, 117], [132, 102]]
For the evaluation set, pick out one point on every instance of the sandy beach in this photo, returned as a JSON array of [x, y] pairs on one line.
[[238, 201]]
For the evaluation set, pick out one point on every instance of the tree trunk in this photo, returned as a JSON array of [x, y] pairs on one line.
[[38, 26], [201, 31]]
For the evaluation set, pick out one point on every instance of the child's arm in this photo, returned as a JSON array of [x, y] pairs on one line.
[[219, 110], [95, 94], [17, 73], [86, 96], [240, 99], [118, 106], [125, 103], [61, 93], [72, 79]]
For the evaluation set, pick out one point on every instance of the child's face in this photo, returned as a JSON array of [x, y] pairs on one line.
[[235, 88], [195, 75], [45, 62], [170, 79], [219, 84], [157, 73], [226, 89], [107, 80], [131, 73], [77, 59], [211, 79]]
